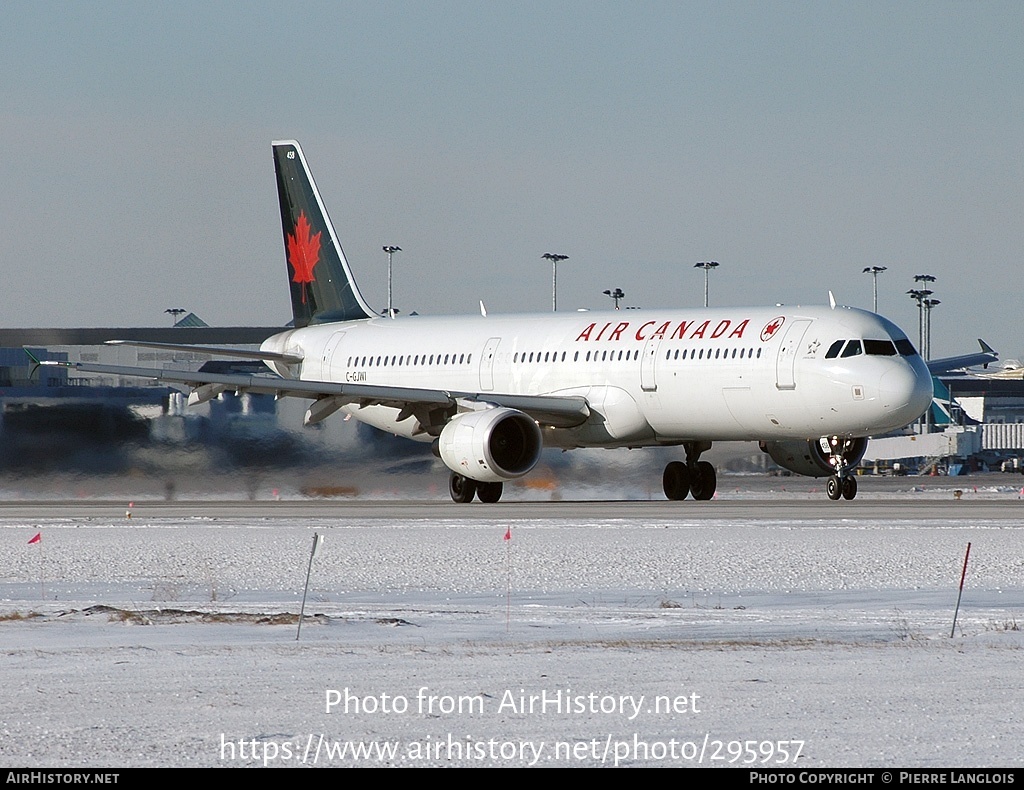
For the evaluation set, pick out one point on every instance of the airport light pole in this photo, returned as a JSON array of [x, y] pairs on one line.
[[919, 295], [924, 293], [616, 294], [555, 260], [928, 305], [175, 312], [874, 271], [707, 266], [390, 249]]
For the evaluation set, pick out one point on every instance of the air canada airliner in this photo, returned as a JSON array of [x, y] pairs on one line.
[[810, 384]]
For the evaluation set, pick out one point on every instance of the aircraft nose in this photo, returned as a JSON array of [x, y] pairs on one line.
[[907, 391]]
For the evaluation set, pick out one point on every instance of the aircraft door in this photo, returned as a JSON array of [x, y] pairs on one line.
[[785, 366], [328, 355], [487, 364], [648, 379]]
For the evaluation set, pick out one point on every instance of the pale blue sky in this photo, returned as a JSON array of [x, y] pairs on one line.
[[795, 143]]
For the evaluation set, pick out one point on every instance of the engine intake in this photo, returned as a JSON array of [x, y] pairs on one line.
[[811, 459], [492, 445]]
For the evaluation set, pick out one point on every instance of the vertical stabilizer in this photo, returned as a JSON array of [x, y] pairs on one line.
[[321, 283]]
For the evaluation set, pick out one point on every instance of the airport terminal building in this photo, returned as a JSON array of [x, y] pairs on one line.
[[51, 418]]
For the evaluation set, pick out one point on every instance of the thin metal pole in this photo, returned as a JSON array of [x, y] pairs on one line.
[[554, 286], [390, 249], [874, 271], [921, 327], [928, 325], [555, 260], [707, 266], [309, 569], [963, 575]]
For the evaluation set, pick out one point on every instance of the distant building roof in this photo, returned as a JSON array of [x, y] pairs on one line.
[[979, 387], [190, 320]]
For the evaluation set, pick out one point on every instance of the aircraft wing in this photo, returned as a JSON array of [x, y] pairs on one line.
[[212, 350], [946, 364], [554, 410]]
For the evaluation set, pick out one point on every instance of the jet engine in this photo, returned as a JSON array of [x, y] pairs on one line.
[[813, 458], [492, 445]]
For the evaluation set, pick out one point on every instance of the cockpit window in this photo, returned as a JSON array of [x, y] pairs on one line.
[[852, 349], [880, 348], [905, 347]]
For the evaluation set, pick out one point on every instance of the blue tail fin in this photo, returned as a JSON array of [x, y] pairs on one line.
[[321, 283]]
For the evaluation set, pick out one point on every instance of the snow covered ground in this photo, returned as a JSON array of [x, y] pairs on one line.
[[754, 635]]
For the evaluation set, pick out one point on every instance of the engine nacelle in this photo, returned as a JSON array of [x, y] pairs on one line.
[[492, 445], [811, 458]]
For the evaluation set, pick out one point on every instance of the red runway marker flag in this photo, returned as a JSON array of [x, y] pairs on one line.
[[37, 539]]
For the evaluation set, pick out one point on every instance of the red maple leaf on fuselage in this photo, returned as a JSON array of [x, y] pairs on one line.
[[771, 328], [303, 253]]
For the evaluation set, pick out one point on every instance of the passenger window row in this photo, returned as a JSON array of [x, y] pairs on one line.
[[723, 353], [590, 356], [634, 354], [410, 360]]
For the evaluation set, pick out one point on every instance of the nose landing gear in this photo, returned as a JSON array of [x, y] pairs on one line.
[[841, 484], [844, 487]]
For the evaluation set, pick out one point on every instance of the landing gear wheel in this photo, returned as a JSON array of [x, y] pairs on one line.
[[676, 481], [849, 487], [489, 492], [703, 480], [834, 488], [461, 488]]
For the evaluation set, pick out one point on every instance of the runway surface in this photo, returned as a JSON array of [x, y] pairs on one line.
[[1005, 506], [169, 638]]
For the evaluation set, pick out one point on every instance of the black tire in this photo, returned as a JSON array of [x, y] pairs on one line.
[[849, 487], [834, 488], [676, 481], [489, 492], [461, 488], [704, 481]]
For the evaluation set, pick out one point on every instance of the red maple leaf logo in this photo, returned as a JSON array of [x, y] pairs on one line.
[[771, 328], [303, 253]]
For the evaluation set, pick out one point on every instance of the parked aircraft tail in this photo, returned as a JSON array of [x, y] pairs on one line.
[[322, 287]]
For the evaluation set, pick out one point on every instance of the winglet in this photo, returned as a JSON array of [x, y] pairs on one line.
[[985, 347], [483, 310], [831, 300]]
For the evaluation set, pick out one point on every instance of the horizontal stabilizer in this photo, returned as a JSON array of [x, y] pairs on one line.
[[946, 364]]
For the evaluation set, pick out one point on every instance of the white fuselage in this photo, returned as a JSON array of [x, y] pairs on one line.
[[650, 377]]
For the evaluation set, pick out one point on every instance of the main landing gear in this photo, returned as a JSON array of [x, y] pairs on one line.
[[463, 489], [694, 477]]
